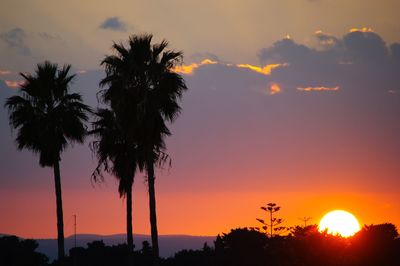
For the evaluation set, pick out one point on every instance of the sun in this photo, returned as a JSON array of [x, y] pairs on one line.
[[339, 222]]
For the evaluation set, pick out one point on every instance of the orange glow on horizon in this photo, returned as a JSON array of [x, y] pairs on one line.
[[210, 214]]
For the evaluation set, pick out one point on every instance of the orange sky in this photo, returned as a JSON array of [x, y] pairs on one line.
[[202, 214], [292, 102]]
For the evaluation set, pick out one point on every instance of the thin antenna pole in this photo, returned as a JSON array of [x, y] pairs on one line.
[[305, 220], [75, 230], [74, 257]]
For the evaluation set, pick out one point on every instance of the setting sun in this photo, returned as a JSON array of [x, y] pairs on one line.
[[339, 222]]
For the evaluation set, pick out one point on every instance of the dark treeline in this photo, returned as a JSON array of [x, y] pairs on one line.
[[373, 245]]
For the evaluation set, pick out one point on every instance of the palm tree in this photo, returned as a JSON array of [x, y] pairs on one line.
[[144, 90], [116, 155], [47, 118]]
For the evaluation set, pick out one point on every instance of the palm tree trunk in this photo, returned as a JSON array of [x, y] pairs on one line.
[[129, 234], [60, 221], [129, 231], [153, 215]]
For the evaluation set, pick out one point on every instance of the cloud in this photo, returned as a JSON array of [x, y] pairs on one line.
[[307, 89], [14, 83], [15, 38], [284, 51], [358, 61], [325, 40], [274, 89], [265, 70], [365, 47], [395, 52], [5, 72], [113, 23], [188, 69], [49, 37], [365, 29]]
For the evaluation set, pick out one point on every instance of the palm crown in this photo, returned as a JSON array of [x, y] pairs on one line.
[[46, 115], [144, 90], [114, 153]]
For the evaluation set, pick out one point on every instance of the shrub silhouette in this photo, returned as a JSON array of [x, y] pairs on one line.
[[17, 252]]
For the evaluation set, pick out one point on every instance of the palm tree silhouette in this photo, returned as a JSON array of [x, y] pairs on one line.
[[143, 91], [116, 155], [47, 118]]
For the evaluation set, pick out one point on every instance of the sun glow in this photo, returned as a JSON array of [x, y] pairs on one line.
[[339, 222]]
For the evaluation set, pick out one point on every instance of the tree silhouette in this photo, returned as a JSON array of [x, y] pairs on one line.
[[376, 245], [18, 252], [47, 118], [143, 91], [116, 154], [240, 247], [271, 208]]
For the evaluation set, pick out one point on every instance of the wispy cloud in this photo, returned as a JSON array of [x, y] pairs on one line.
[[308, 89], [364, 29], [14, 83], [113, 23], [15, 39], [49, 37], [189, 69], [266, 70], [5, 72]]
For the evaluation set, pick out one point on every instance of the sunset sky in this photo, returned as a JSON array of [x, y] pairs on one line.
[[293, 101]]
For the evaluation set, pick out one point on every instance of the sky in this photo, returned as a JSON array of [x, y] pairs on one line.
[[293, 102]]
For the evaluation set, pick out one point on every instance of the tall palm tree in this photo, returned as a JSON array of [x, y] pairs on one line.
[[144, 91], [116, 155], [47, 118]]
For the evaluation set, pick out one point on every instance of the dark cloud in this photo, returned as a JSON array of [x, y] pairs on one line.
[[285, 50], [113, 23], [359, 61], [326, 41], [365, 47], [15, 39], [49, 37], [395, 52]]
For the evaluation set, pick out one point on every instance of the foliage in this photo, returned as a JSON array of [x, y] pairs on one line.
[[18, 252], [46, 115]]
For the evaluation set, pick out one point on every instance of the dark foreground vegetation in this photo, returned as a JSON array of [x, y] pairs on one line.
[[377, 245]]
